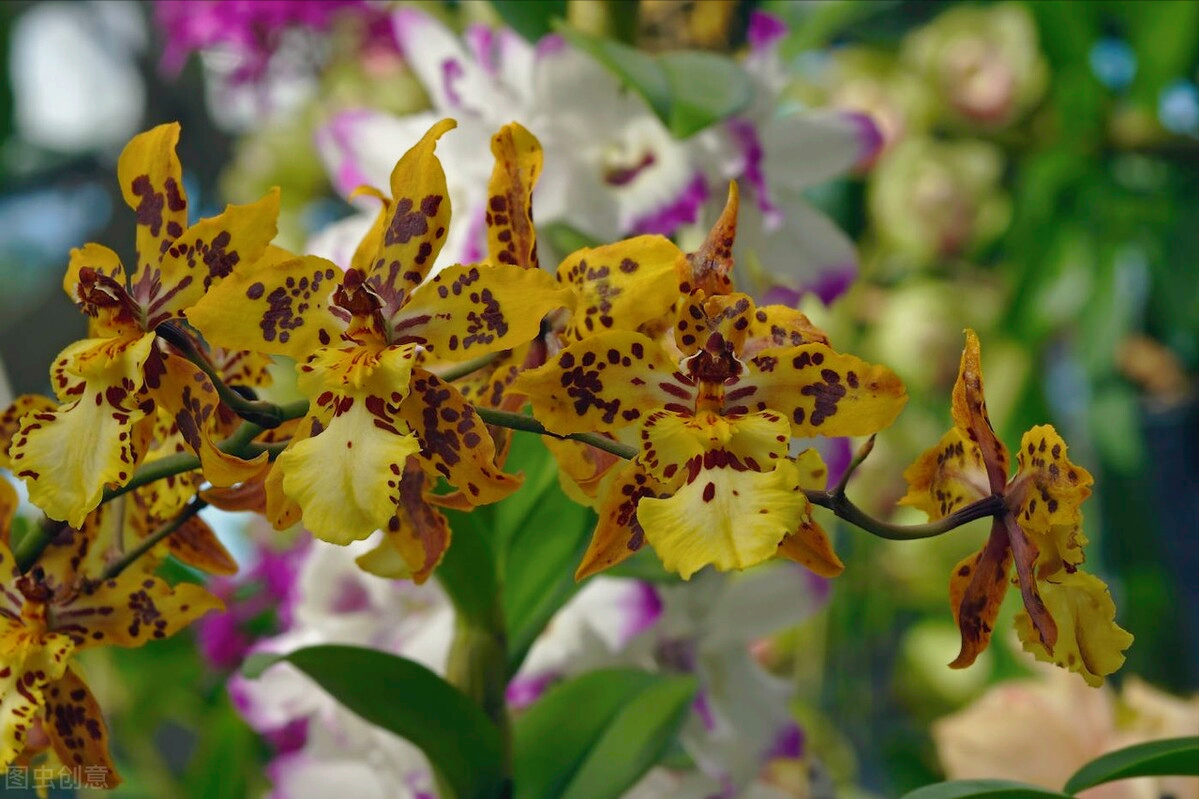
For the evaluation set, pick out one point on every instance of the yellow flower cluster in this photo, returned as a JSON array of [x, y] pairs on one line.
[[635, 346]]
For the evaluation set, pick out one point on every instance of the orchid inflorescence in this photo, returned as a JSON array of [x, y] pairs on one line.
[[672, 403]]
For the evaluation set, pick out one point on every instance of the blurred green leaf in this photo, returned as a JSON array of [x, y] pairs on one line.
[[991, 789], [595, 735], [226, 758], [411, 701], [645, 565], [687, 90], [1165, 39], [468, 571], [1171, 757], [638, 736], [530, 18]]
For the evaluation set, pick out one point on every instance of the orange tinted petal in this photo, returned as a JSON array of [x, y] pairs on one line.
[[947, 476], [976, 590], [970, 414], [77, 730], [511, 237]]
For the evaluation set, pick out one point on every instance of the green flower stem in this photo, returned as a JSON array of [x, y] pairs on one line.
[[35, 541], [518, 421], [150, 541], [264, 414], [477, 666]]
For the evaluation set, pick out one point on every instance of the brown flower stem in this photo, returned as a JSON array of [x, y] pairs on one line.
[[860, 456], [263, 414], [841, 505], [150, 541], [518, 421]]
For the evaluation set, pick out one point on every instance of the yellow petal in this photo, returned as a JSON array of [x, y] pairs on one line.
[[453, 440], [463, 312], [1045, 497], [414, 540], [1089, 640], [779, 326], [10, 420], [604, 383], [976, 590], [709, 269], [181, 389], [809, 545], [620, 286], [718, 324], [821, 391], [77, 730], [400, 250], [970, 414], [346, 476], [276, 306], [947, 476], [151, 179], [68, 456], [130, 610], [28, 663], [205, 254], [672, 444], [195, 544], [100, 293], [619, 533], [724, 517], [511, 237]]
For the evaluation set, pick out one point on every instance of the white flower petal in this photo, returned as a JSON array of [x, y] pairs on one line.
[[806, 148]]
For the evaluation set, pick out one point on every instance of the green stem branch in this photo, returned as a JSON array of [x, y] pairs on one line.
[[518, 421], [150, 541]]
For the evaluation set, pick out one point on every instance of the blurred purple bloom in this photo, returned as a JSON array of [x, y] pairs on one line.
[[252, 28]]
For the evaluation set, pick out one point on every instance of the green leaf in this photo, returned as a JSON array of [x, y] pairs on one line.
[[411, 701], [991, 789], [530, 18], [543, 552], [646, 566], [595, 735], [637, 738], [704, 88], [1171, 757], [687, 90], [468, 571]]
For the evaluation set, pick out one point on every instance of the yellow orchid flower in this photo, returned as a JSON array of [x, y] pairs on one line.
[[1068, 617], [108, 383], [358, 336], [49, 615], [712, 483]]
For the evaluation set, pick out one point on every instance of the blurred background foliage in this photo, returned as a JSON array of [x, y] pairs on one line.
[[1039, 182]]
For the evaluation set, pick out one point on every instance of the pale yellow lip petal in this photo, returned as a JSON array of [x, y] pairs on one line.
[[68, 456], [727, 518]]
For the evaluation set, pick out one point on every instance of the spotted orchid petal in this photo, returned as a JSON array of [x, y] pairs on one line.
[[95, 282], [281, 305], [68, 456], [399, 252], [1045, 496], [32, 661], [511, 237], [808, 545], [129, 611], [821, 391], [197, 545], [463, 312], [1089, 640], [709, 269], [10, 420], [76, 728], [977, 587], [725, 517], [779, 326], [619, 533], [151, 179], [675, 446], [969, 411], [454, 442], [186, 393], [620, 286], [948, 476], [414, 540], [604, 383], [346, 477], [206, 253]]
